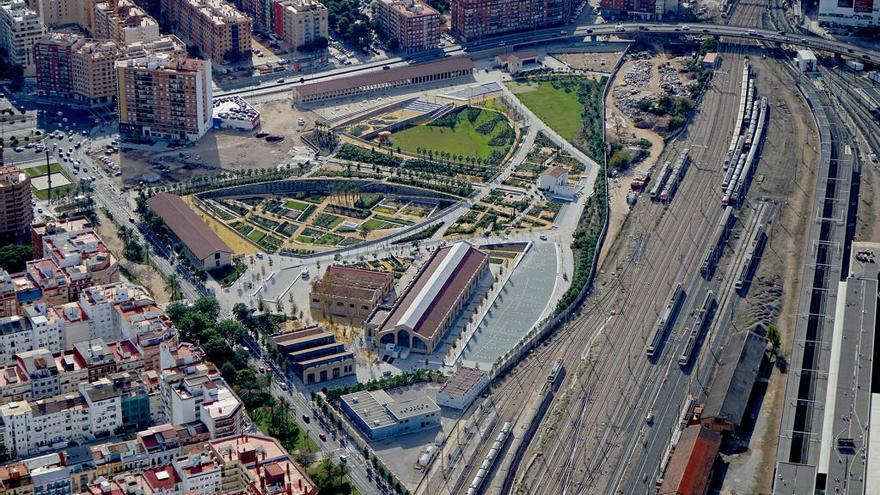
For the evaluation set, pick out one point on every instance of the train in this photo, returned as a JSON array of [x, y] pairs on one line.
[[750, 261], [490, 459], [556, 374], [701, 322], [675, 176], [716, 248], [666, 320], [737, 184], [661, 180]]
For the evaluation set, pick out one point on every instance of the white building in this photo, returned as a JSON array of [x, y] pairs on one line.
[[20, 27], [552, 178], [33, 427], [233, 112], [462, 388], [850, 13], [42, 372], [198, 393], [104, 405], [199, 474], [45, 325], [98, 303], [805, 60], [15, 336]]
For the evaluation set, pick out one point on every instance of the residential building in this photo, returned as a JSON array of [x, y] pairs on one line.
[[94, 72], [83, 256], [199, 474], [53, 57], [20, 27], [72, 371], [348, 294], [315, 354], [164, 97], [146, 326], [434, 299], [204, 247], [850, 13], [39, 327], [381, 416], [258, 465], [461, 389], [197, 393], [300, 22], [53, 283], [40, 230], [8, 299], [105, 406], [15, 479], [33, 427], [220, 31], [552, 178], [16, 213], [55, 13], [97, 357], [169, 45], [45, 326], [413, 23], [477, 19], [43, 374], [648, 10], [124, 22], [14, 384]]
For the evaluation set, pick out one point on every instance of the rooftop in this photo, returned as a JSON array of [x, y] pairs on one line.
[[436, 288], [385, 76], [462, 381], [732, 386], [690, 466], [370, 407], [187, 226], [556, 171]]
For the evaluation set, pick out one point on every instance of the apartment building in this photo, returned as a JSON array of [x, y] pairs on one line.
[[16, 211], [197, 393], [413, 23], [63, 12], [259, 465], [850, 13], [53, 57], [42, 373], [14, 384], [477, 19], [169, 44], [124, 22], [70, 66], [33, 427], [20, 27], [83, 256], [8, 297], [39, 327], [220, 31], [300, 22], [649, 10], [162, 97]]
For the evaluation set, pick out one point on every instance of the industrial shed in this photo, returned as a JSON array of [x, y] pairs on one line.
[[205, 248]]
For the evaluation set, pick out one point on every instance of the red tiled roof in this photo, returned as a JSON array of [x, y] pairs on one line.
[[433, 316], [187, 226], [690, 466], [167, 482]]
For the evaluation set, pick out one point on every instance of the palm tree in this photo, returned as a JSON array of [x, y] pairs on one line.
[[172, 283]]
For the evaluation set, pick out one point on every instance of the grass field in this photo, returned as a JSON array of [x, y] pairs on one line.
[[558, 108], [375, 224], [256, 235], [295, 205], [41, 169], [463, 139], [393, 220]]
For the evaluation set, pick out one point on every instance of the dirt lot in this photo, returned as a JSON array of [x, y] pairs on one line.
[[224, 148], [596, 62], [621, 128], [787, 175], [868, 223], [141, 274]]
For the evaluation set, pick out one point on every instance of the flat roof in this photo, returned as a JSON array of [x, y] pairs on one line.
[[436, 289], [794, 479], [187, 226], [415, 406], [385, 76], [462, 381], [369, 408]]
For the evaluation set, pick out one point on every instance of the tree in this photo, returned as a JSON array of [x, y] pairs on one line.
[[14, 256], [773, 338], [172, 283]]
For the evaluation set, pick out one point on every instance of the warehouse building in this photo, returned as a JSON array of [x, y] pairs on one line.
[[205, 248], [395, 77], [729, 395], [462, 388], [435, 298], [348, 294], [381, 416], [690, 467], [315, 354]]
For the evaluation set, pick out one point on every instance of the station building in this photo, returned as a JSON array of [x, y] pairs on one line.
[[315, 354], [205, 248], [435, 298], [462, 388]]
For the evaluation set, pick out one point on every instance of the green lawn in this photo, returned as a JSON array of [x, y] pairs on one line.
[[463, 139], [375, 224], [392, 220], [329, 239], [558, 108], [295, 205], [327, 221], [256, 235], [41, 169]]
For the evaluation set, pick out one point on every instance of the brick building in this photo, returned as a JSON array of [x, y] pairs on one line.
[[220, 31], [477, 19], [16, 211], [413, 23], [348, 294]]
